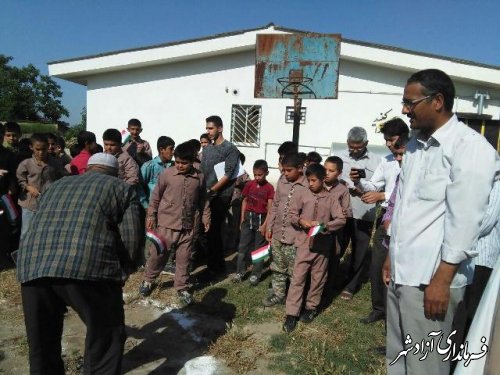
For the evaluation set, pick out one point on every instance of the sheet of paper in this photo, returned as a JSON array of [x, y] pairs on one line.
[[219, 170]]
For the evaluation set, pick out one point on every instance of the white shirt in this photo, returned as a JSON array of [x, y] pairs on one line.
[[384, 178], [368, 162], [441, 199]]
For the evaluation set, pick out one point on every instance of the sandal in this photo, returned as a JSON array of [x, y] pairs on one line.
[[346, 295]]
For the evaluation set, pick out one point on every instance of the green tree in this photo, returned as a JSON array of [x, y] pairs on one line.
[[72, 133], [25, 94]]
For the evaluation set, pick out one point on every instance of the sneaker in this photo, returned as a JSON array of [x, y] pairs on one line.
[[185, 297], [237, 277], [146, 288], [253, 280], [290, 323], [169, 269], [308, 316], [273, 300]]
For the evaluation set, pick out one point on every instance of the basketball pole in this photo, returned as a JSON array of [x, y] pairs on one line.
[[297, 109]]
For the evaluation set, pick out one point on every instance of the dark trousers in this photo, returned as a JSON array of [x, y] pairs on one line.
[[359, 233], [99, 305], [215, 261], [378, 288], [250, 240]]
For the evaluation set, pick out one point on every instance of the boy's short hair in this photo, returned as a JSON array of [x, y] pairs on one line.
[[39, 137], [164, 142], [61, 142], [337, 161], [216, 120], [314, 157], [317, 170], [98, 148], [112, 135], [134, 122], [184, 151], [303, 157], [12, 127], [204, 136], [75, 150], [261, 164], [85, 137], [141, 158], [287, 147], [195, 144], [292, 160], [395, 126]]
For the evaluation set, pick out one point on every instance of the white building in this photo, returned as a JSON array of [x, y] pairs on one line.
[[173, 87]]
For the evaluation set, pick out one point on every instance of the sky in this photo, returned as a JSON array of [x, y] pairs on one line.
[[38, 32]]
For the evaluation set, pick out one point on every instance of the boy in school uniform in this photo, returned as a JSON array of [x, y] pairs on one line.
[[311, 208], [280, 231], [12, 136], [135, 144], [128, 170], [258, 196], [333, 167], [179, 193], [34, 175]]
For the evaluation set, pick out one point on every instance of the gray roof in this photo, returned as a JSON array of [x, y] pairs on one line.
[[285, 29]]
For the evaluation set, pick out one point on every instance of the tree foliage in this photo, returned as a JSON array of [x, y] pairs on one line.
[[25, 94], [73, 131]]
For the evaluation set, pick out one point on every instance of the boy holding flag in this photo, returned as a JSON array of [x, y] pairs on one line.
[[317, 215], [258, 196]]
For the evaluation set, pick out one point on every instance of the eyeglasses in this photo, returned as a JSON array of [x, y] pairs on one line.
[[411, 104]]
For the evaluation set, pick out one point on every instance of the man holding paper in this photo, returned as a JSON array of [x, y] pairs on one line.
[[219, 190]]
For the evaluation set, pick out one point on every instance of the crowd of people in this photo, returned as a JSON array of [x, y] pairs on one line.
[[421, 223]]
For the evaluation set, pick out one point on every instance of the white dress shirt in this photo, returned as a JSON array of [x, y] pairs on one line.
[[369, 162], [383, 179], [441, 199]]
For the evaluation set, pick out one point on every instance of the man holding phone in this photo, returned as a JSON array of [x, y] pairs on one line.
[[358, 161]]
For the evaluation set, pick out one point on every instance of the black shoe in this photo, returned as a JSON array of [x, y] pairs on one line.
[[273, 300], [372, 318], [290, 323], [146, 288], [308, 315]]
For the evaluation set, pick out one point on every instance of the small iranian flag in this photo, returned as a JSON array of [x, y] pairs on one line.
[[315, 230], [125, 136], [157, 240], [260, 254]]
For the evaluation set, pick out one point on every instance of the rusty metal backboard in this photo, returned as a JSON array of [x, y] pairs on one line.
[[297, 65]]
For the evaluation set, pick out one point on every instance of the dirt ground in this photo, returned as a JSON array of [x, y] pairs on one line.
[[162, 338]]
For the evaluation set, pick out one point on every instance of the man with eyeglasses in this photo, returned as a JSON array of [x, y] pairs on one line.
[[379, 189], [445, 180], [358, 229]]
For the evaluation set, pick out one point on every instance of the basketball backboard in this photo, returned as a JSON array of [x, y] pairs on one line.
[[297, 66]]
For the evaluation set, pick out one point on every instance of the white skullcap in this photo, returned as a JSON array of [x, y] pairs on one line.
[[104, 159]]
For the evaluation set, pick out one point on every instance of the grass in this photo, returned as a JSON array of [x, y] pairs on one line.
[[334, 343]]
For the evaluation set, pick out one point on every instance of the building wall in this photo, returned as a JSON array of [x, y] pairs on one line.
[[175, 99]]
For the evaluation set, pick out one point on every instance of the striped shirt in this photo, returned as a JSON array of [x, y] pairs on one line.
[[87, 227], [488, 244]]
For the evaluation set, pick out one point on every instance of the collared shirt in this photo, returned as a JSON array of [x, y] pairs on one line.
[[488, 243], [128, 170], [321, 207], [369, 162], [177, 197], [441, 199], [214, 154], [88, 227], [135, 146], [78, 164], [279, 214], [341, 194], [31, 173], [383, 178], [150, 172]]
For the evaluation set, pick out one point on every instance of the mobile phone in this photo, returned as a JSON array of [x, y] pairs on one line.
[[361, 172]]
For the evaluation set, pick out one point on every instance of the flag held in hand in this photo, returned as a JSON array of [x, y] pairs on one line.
[[157, 240], [315, 230], [260, 254]]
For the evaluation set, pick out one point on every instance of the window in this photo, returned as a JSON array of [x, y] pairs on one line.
[[245, 125], [289, 115]]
